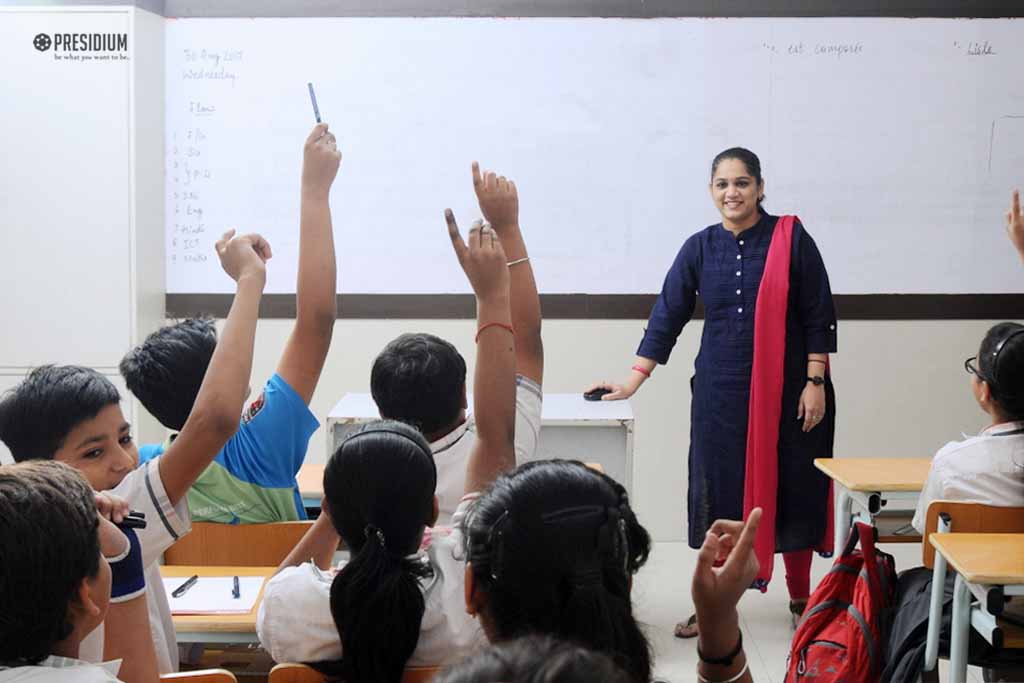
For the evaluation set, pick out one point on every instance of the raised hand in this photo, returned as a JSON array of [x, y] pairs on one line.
[[109, 506], [717, 590], [320, 161], [244, 255], [483, 259], [498, 197], [1015, 224]]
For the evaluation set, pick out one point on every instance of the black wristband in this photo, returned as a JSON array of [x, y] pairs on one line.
[[727, 660]]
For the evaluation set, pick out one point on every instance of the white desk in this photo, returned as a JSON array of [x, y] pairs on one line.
[[571, 428]]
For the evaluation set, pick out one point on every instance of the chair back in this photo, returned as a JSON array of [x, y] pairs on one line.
[[236, 545], [969, 518], [301, 673], [203, 676]]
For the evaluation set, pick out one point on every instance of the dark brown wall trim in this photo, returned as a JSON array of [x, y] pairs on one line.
[[608, 306]]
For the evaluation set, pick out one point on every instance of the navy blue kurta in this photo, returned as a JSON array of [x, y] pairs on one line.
[[726, 272]]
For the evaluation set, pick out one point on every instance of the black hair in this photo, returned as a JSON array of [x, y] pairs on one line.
[[749, 160], [49, 544], [379, 489], [581, 522], [166, 370], [534, 659], [1001, 365], [419, 379], [37, 415]]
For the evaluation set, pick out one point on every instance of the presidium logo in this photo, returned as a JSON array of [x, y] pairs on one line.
[[84, 46]]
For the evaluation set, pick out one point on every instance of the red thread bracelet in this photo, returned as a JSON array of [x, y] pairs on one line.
[[501, 325], [642, 370]]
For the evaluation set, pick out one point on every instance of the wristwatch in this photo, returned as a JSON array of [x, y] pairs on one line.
[[816, 381]]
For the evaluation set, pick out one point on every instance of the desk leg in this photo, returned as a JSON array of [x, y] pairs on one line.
[[961, 625], [843, 513]]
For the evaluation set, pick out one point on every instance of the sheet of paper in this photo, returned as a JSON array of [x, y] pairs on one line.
[[212, 595]]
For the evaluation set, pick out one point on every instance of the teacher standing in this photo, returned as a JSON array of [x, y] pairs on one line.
[[763, 406]]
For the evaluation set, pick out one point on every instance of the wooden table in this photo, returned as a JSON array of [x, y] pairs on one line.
[[989, 566], [217, 628], [870, 483]]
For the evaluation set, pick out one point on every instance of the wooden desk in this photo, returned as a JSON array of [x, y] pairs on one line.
[[870, 483], [989, 566], [572, 428], [217, 628]]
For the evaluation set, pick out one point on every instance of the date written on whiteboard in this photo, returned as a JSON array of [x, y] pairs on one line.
[[975, 48], [801, 49]]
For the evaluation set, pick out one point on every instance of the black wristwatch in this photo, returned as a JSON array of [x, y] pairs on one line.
[[816, 381]]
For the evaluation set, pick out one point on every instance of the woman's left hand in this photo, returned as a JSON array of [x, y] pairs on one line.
[[812, 406]]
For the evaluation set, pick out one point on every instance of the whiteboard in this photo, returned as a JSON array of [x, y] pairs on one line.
[[897, 141]]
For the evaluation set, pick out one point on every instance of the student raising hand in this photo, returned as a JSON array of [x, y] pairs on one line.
[[243, 256], [1015, 224], [726, 567], [320, 161], [483, 260]]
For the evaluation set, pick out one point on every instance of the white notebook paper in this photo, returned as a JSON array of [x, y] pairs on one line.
[[213, 595]]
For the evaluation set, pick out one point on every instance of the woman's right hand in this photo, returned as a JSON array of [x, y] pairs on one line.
[[619, 392]]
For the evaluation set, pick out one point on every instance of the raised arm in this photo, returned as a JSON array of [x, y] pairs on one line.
[[215, 415], [494, 381], [1015, 224], [318, 544], [499, 202], [316, 290]]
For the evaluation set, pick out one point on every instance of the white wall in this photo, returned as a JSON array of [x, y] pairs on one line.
[[901, 389]]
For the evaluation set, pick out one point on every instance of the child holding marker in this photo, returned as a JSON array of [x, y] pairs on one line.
[[252, 479], [73, 415]]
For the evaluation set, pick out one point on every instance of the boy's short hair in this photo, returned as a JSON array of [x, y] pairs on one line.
[[49, 544], [37, 415], [166, 370], [419, 379]]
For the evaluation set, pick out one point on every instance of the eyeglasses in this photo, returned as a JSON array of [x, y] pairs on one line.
[[970, 367]]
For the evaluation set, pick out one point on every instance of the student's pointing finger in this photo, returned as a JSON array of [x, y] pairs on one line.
[[477, 180], [453, 233]]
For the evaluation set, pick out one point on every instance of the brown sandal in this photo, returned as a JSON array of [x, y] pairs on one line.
[[688, 628]]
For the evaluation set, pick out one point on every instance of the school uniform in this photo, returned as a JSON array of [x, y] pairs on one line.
[[62, 670], [295, 623], [165, 523], [988, 468], [252, 479], [451, 452]]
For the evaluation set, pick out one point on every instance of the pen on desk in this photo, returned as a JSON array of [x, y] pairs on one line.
[[236, 592], [183, 588], [312, 97]]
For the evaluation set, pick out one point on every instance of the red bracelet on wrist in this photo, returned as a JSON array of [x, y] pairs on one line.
[[642, 370], [501, 325]]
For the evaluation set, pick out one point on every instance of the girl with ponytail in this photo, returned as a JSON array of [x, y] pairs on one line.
[[392, 605], [988, 468]]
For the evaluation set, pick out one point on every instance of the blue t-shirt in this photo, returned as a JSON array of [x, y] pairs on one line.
[[252, 479]]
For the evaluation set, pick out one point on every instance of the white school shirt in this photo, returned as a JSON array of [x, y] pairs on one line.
[[62, 670], [295, 624], [165, 524], [988, 468], [451, 452]]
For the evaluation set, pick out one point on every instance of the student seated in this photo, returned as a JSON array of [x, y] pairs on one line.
[[581, 523], [390, 606], [988, 468], [420, 379], [73, 415], [534, 659], [252, 479], [57, 584]]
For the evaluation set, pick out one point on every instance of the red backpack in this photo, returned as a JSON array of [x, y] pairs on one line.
[[843, 632]]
